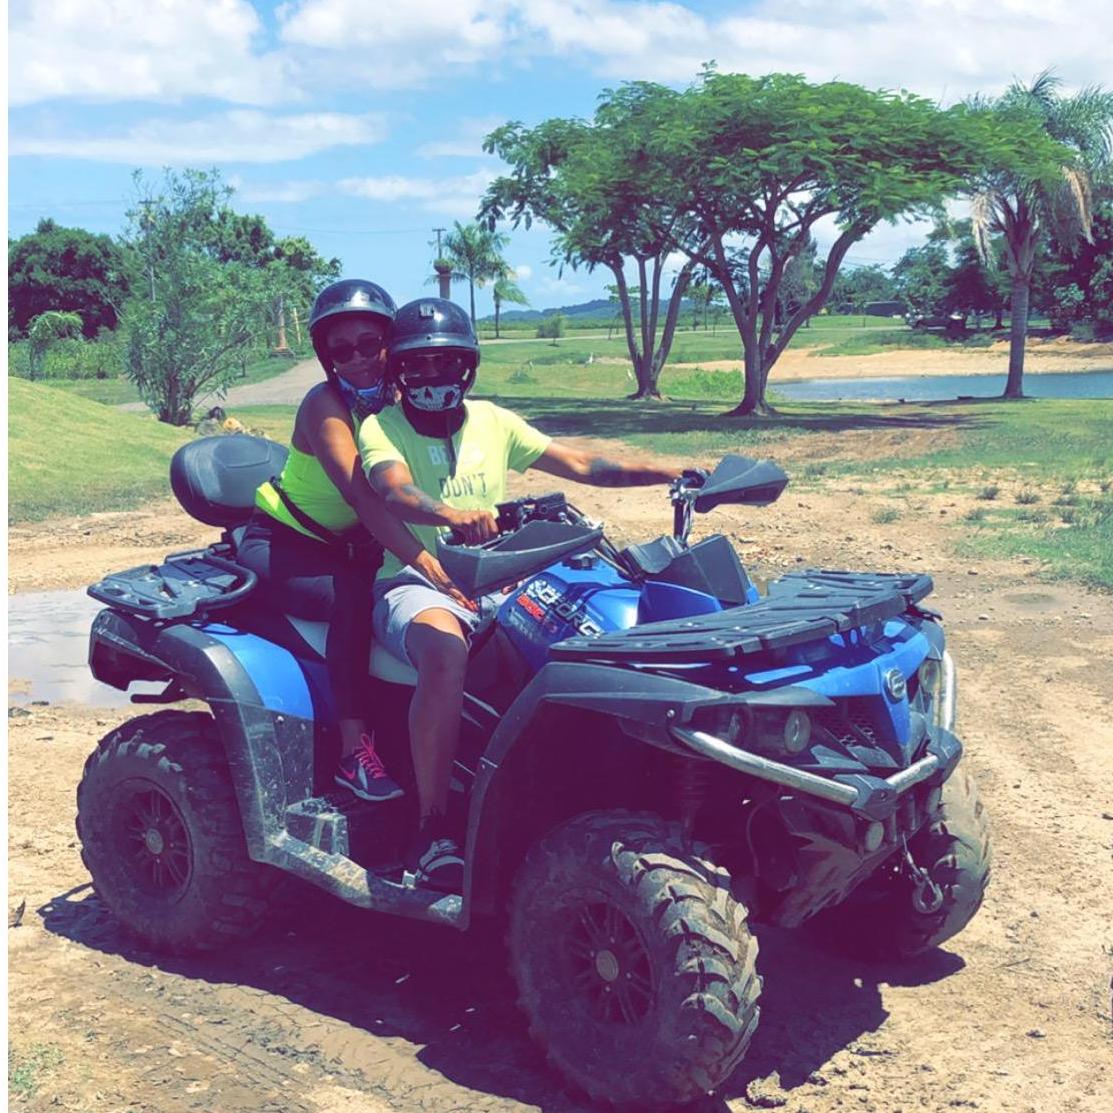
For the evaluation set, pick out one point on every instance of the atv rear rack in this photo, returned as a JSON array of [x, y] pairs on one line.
[[800, 607]]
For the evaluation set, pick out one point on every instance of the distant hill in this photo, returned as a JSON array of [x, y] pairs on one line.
[[599, 308]]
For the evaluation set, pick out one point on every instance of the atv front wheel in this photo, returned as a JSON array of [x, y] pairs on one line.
[[634, 963], [884, 917], [161, 834]]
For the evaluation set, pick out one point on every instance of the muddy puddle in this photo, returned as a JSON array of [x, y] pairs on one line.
[[48, 644]]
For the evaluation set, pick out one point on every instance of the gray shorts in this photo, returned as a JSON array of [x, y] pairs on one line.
[[400, 599]]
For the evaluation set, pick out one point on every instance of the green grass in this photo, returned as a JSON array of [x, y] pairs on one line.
[[868, 342], [67, 455], [27, 1068], [118, 390]]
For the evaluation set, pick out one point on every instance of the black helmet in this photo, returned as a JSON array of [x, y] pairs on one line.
[[433, 330], [349, 295]]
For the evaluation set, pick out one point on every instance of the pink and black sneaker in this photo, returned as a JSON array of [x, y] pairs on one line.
[[364, 774]]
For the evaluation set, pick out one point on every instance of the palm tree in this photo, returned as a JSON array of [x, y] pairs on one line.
[[1024, 207], [475, 255], [506, 290]]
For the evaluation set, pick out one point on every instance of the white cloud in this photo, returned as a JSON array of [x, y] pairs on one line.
[[241, 135], [523, 272], [453, 196], [124, 50], [468, 141]]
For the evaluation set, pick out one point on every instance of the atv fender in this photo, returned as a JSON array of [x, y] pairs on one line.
[[259, 708], [642, 705]]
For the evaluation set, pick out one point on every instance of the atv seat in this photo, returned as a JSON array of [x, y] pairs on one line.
[[214, 478]]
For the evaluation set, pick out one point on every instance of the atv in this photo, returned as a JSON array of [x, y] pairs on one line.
[[653, 757]]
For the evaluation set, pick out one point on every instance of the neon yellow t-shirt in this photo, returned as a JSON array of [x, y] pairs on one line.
[[490, 442]]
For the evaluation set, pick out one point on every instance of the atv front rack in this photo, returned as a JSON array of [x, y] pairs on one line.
[[800, 607], [186, 584]]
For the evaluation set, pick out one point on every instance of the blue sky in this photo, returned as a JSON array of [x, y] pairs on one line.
[[359, 124]]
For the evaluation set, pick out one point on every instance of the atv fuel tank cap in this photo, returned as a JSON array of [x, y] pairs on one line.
[[581, 562]]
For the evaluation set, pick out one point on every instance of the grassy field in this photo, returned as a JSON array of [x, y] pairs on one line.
[[1038, 475], [67, 455]]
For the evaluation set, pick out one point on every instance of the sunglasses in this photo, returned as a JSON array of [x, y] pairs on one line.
[[435, 363], [367, 347]]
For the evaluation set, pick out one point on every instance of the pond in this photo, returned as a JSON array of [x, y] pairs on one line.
[[927, 388], [48, 646]]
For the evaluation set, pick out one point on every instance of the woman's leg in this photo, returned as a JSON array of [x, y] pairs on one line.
[[307, 579]]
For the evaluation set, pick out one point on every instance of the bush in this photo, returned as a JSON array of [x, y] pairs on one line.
[[886, 515], [1026, 496], [71, 358], [551, 328], [989, 492]]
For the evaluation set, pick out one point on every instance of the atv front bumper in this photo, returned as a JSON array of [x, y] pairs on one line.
[[874, 798]]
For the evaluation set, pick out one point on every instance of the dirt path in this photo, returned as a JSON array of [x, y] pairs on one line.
[[341, 1012]]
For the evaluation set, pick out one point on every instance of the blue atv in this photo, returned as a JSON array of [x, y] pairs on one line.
[[653, 756]]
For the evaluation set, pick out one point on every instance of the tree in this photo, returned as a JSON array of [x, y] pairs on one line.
[[192, 319], [597, 187], [475, 253], [1047, 192], [856, 287], [506, 290], [44, 330], [922, 279], [765, 160], [1086, 266], [64, 270]]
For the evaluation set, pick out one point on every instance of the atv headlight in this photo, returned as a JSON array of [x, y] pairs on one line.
[[931, 678], [789, 730]]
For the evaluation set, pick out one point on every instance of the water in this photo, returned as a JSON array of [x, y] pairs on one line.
[[928, 388], [48, 646]]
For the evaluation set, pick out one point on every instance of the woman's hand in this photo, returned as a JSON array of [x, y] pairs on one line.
[[431, 569]]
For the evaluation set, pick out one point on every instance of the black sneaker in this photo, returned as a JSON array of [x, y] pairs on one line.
[[434, 858], [364, 774]]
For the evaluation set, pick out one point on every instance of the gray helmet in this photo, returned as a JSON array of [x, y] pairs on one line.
[[431, 328]]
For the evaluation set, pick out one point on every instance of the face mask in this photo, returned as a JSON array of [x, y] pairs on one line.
[[434, 397], [365, 401]]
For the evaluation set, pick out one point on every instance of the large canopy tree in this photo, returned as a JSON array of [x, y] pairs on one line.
[[765, 162], [597, 186], [1026, 200], [56, 269]]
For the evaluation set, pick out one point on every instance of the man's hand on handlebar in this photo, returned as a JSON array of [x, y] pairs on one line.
[[473, 526]]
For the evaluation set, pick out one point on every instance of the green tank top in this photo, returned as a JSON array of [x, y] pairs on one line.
[[309, 488]]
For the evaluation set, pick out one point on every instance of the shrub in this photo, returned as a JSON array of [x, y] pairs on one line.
[[975, 514], [1026, 496], [885, 515], [551, 328], [989, 492]]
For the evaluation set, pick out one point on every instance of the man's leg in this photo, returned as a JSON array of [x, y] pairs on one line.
[[438, 649]]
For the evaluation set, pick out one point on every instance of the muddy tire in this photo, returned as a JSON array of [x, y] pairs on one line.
[[634, 963], [161, 835], [880, 920]]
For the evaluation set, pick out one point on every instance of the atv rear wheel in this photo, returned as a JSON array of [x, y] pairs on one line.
[[161, 834], [882, 918], [634, 963]]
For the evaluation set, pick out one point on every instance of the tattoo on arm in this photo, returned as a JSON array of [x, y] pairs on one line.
[[419, 500], [606, 473]]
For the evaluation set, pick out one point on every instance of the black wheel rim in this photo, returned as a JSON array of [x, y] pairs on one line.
[[152, 842], [609, 967]]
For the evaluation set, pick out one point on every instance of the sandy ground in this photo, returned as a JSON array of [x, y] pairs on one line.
[[343, 1012], [1041, 357]]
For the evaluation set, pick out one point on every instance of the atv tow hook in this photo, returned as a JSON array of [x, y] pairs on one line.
[[927, 896]]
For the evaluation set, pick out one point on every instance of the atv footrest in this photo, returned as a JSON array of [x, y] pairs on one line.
[[186, 584]]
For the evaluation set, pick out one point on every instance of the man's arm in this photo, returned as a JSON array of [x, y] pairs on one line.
[[393, 483], [583, 467]]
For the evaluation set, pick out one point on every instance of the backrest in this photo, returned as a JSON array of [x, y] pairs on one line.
[[214, 478]]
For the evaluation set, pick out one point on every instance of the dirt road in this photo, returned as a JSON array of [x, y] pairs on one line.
[[340, 1012]]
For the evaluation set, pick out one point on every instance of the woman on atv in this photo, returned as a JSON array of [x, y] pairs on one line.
[[318, 532]]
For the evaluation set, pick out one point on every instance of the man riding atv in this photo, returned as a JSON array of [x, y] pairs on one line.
[[440, 461]]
